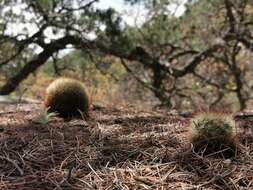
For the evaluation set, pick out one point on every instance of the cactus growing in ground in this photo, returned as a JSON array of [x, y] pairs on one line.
[[67, 97], [213, 132]]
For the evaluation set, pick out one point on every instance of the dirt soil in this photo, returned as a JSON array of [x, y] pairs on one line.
[[114, 149]]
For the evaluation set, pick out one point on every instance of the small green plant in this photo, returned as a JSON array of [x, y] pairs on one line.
[[44, 117], [212, 133], [67, 97]]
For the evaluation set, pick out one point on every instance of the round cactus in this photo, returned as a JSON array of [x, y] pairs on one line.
[[213, 132], [67, 97]]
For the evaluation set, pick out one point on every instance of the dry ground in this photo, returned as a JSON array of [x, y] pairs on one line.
[[115, 149]]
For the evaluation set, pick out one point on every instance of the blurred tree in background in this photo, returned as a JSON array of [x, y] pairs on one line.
[[199, 58]]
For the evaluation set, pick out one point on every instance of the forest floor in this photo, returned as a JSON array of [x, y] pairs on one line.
[[114, 149]]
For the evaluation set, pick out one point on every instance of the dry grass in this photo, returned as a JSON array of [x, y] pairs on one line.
[[116, 149]]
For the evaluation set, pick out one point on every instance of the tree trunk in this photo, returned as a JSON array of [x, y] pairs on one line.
[[34, 64]]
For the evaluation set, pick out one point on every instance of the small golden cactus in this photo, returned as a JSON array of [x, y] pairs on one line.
[[213, 132], [67, 97]]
